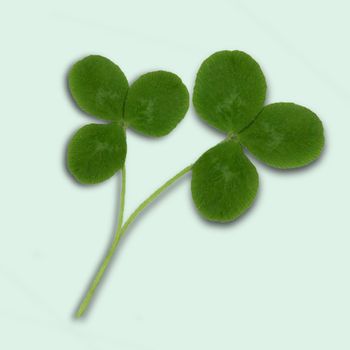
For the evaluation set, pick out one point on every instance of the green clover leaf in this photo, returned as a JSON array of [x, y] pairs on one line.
[[230, 90], [156, 103], [96, 152], [285, 135], [99, 87], [224, 182], [153, 105], [229, 93]]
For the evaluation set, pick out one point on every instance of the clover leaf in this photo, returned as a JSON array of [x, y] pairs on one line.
[[226, 177], [229, 93], [96, 152], [99, 87], [153, 105], [156, 103], [230, 90], [285, 135]]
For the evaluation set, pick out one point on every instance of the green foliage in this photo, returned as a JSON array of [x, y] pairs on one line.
[[229, 94], [224, 182], [156, 103], [285, 135], [99, 87], [229, 91], [96, 152], [153, 105]]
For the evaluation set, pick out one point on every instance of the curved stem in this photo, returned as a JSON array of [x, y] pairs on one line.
[[96, 281], [121, 231], [152, 197]]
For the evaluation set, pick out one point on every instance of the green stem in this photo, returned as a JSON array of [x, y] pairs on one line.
[[121, 231], [152, 197], [122, 200], [97, 279]]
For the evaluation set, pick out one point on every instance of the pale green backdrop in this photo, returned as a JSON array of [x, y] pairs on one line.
[[277, 279]]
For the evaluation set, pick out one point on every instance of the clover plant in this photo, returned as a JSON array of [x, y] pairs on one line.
[[153, 105], [229, 94]]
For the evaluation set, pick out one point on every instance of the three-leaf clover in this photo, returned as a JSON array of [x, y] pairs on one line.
[[229, 94], [153, 105]]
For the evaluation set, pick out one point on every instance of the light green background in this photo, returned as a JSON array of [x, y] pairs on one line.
[[276, 279]]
